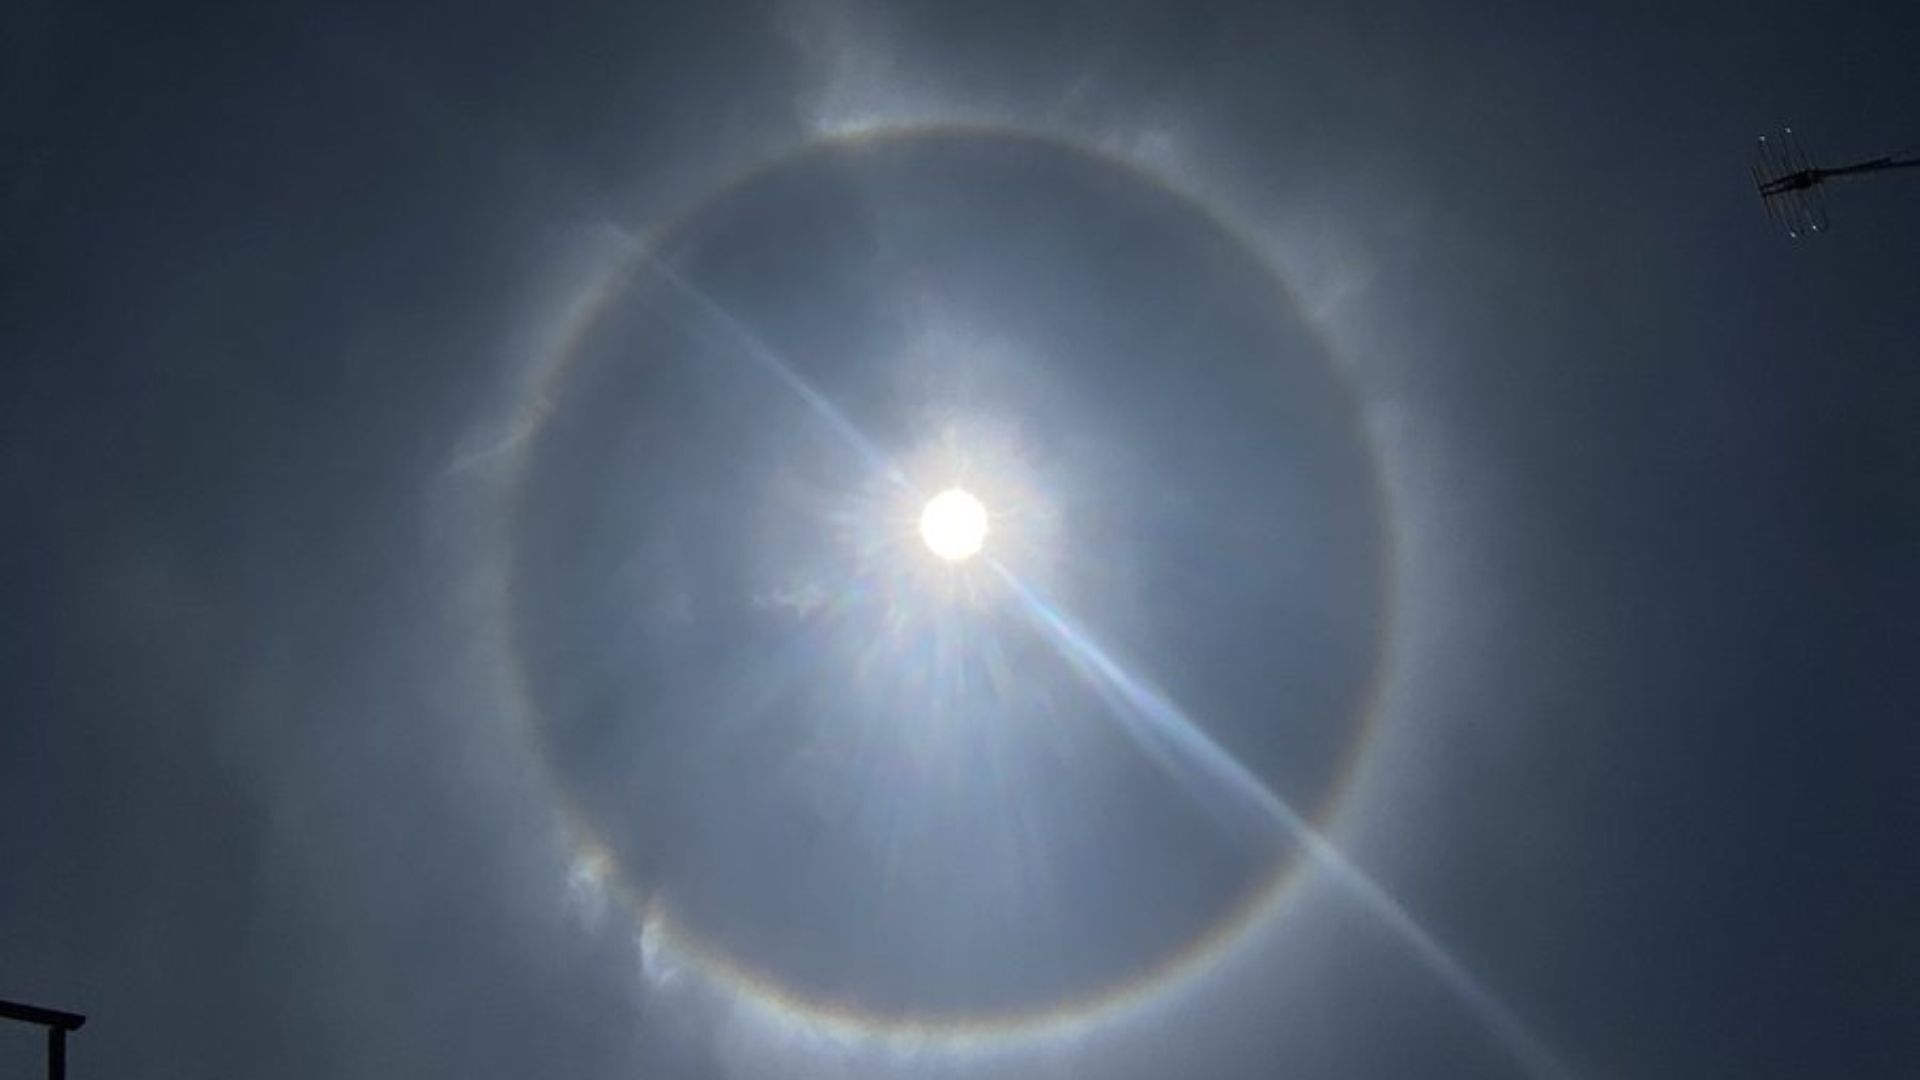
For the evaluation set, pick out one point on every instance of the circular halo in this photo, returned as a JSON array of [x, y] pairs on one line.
[[663, 940]]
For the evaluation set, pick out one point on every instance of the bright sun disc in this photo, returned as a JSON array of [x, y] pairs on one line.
[[954, 524]]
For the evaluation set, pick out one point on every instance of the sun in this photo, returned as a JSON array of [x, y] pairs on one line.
[[954, 525]]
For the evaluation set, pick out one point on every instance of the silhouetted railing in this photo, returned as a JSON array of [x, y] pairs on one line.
[[57, 1024]]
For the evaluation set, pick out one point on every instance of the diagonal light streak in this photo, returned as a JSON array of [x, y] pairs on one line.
[[773, 364], [1167, 735]]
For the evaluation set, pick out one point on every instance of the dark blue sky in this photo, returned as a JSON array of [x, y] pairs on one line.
[[389, 627]]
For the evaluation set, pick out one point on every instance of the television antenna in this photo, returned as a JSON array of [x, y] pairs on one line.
[[1789, 182]]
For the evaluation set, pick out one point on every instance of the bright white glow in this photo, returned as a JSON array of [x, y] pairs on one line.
[[954, 525]]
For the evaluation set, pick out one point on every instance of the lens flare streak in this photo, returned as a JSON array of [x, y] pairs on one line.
[[771, 362], [1165, 733]]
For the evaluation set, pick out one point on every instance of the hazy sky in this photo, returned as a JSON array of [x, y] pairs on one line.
[[1448, 608]]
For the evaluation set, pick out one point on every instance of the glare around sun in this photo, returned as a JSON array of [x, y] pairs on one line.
[[954, 525]]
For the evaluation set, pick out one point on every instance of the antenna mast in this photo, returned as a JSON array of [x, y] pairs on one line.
[[1789, 182]]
